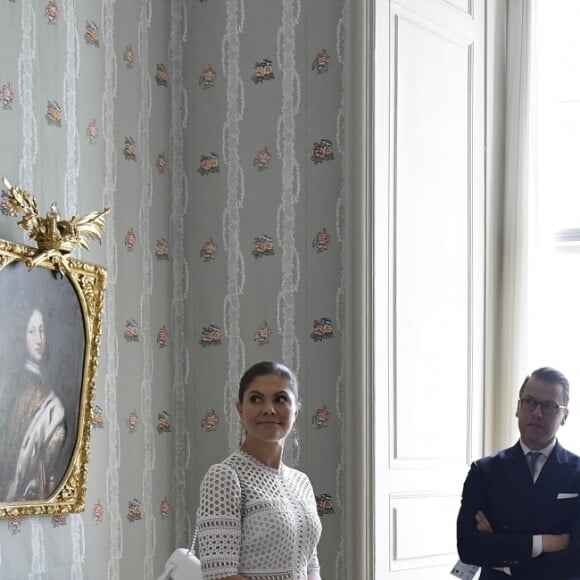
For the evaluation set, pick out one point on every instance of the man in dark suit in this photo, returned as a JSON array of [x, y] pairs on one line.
[[520, 508]]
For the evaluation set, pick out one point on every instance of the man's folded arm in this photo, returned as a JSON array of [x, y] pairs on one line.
[[495, 550], [484, 548], [557, 565]]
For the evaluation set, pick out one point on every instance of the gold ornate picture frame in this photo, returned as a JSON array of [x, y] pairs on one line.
[[51, 308]]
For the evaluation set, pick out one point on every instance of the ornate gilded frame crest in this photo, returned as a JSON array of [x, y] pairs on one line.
[[51, 308]]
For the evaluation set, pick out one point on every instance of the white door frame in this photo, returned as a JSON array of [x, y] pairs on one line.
[[359, 100], [361, 19]]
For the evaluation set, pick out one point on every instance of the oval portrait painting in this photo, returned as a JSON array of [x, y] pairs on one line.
[[43, 344]]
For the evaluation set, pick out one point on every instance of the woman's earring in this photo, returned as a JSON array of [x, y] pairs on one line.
[[295, 441], [241, 438]]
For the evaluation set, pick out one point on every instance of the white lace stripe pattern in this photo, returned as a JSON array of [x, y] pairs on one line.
[[257, 521]]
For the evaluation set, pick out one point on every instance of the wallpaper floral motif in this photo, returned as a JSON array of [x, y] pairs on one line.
[[265, 140], [213, 130]]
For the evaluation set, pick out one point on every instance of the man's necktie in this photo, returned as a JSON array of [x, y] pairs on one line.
[[533, 457]]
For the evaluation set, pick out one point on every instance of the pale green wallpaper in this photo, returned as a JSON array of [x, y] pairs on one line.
[[212, 128], [264, 161]]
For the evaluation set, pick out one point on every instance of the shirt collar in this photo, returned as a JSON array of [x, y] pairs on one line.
[[545, 451]]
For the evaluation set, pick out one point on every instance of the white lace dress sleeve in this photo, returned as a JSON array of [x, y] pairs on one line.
[[256, 521], [219, 522]]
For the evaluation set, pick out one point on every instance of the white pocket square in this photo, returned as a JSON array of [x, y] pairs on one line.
[[566, 495]]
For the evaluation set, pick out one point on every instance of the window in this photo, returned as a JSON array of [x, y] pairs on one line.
[[555, 307]]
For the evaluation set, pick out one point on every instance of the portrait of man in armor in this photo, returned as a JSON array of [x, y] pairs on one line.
[[42, 346]]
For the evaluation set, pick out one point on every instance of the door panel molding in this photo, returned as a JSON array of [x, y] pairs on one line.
[[377, 519]]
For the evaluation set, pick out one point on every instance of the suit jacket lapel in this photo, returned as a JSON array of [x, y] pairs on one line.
[[555, 469], [515, 455], [517, 471]]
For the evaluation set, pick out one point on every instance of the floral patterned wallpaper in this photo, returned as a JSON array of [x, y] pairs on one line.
[[265, 228], [213, 130]]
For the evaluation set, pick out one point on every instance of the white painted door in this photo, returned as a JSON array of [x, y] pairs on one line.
[[429, 277]]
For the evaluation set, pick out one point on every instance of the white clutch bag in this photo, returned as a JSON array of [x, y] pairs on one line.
[[183, 564]]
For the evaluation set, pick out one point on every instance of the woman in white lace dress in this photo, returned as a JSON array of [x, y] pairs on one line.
[[257, 517]]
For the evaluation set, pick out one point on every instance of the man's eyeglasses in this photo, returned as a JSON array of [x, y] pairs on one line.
[[548, 407]]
